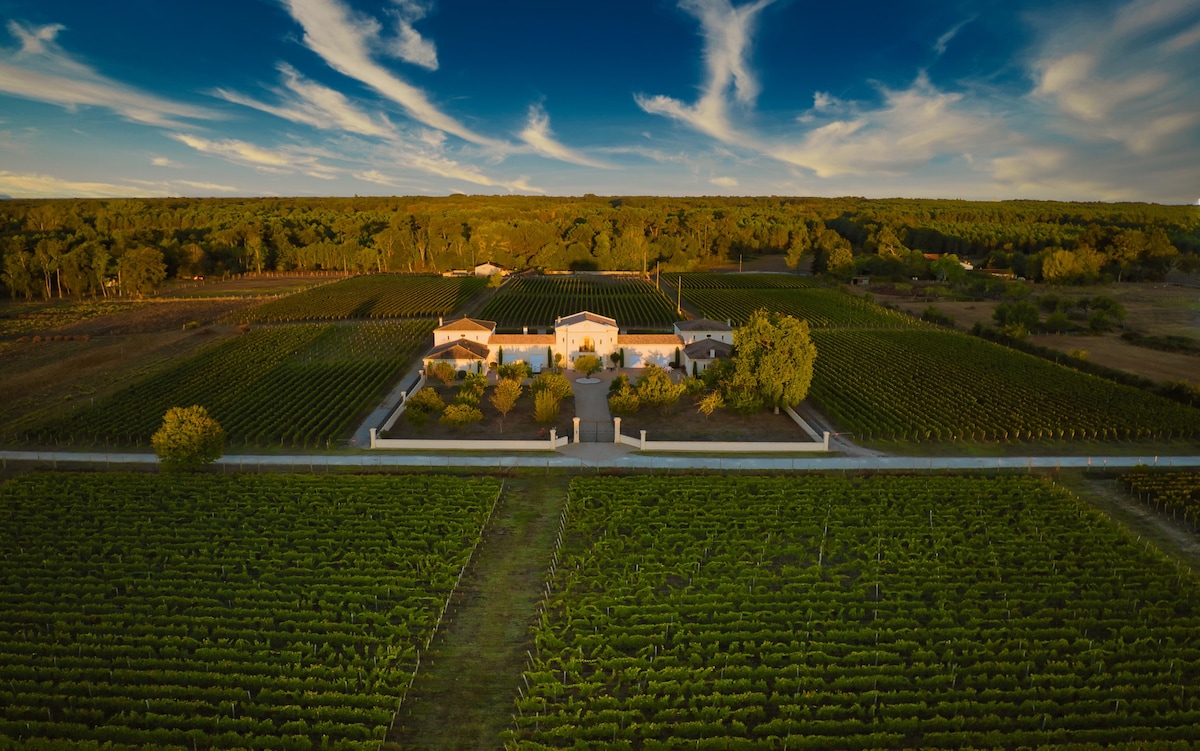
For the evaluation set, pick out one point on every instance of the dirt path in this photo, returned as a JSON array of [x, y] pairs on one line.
[[1177, 542], [462, 698]]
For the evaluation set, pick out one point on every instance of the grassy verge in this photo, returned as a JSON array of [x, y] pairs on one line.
[[462, 698]]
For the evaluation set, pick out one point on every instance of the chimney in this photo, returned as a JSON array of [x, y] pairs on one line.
[[524, 329], [440, 321]]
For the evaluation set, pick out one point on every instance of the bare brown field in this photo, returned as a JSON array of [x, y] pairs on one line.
[[247, 286], [156, 317], [1113, 352], [1154, 309], [40, 380]]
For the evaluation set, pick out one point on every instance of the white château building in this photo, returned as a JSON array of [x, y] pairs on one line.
[[472, 344]]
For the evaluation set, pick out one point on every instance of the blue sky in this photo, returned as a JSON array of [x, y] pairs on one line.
[[985, 99]]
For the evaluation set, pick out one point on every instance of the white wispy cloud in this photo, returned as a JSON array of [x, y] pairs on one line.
[[346, 41], [35, 185], [912, 127], [939, 47], [305, 101], [214, 187], [39, 69], [162, 161], [1130, 77], [727, 32], [540, 138], [272, 160], [725, 182], [409, 45]]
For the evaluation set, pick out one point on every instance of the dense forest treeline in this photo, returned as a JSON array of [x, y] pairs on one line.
[[62, 247]]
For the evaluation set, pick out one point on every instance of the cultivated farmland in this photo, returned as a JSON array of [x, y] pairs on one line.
[[539, 300], [200, 611], [1174, 493], [735, 296], [371, 296], [926, 385], [299, 385], [948, 612]]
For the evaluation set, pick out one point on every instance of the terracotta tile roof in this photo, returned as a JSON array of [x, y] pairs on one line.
[[699, 350], [648, 339], [468, 324], [546, 339], [585, 316], [703, 324], [463, 349]]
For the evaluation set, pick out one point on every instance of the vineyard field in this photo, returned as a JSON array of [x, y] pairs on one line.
[[734, 297], [538, 301], [371, 296], [836, 613], [702, 280], [937, 386], [204, 611], [1173, 493], [299, 385]]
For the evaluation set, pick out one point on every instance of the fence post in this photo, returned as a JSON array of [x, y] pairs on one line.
[[575, 426], [373, 434], [643, 443], [616, 430], [554, 438]]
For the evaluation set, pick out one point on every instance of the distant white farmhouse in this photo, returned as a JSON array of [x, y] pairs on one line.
[[472, 344], [482, 269]]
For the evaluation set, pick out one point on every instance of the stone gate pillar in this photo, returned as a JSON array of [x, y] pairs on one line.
[[575, 425]]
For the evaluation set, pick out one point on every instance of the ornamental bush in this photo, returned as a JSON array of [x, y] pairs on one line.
[[460, 415], [655, 388], [546, 407], [556, 383], [624, 402]]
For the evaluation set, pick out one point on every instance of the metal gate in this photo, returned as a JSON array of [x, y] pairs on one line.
[[596, 431]]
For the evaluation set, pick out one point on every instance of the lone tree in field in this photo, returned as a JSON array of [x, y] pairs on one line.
[[774, 355], [188, 439]]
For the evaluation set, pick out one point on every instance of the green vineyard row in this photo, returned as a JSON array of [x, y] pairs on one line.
[[925, 385], [736, 281], [538, 301], [830, 613], [299, 385], [822, 308], [1174, 493], [205, 611], [371, 296]]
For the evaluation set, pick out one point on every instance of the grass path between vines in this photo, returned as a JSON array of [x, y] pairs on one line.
[[1178, 543], [462, 697]]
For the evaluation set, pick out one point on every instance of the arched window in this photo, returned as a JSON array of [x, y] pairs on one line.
[[587, 345]]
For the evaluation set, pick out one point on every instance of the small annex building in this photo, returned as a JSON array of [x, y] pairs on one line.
[[705, 341], [472, 344]]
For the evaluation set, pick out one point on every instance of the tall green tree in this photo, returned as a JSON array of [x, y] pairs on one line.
[[774, 354], [141, 270]]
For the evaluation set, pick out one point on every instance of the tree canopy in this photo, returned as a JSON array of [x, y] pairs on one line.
[[773, 358], [188, 439], [104, 246]]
